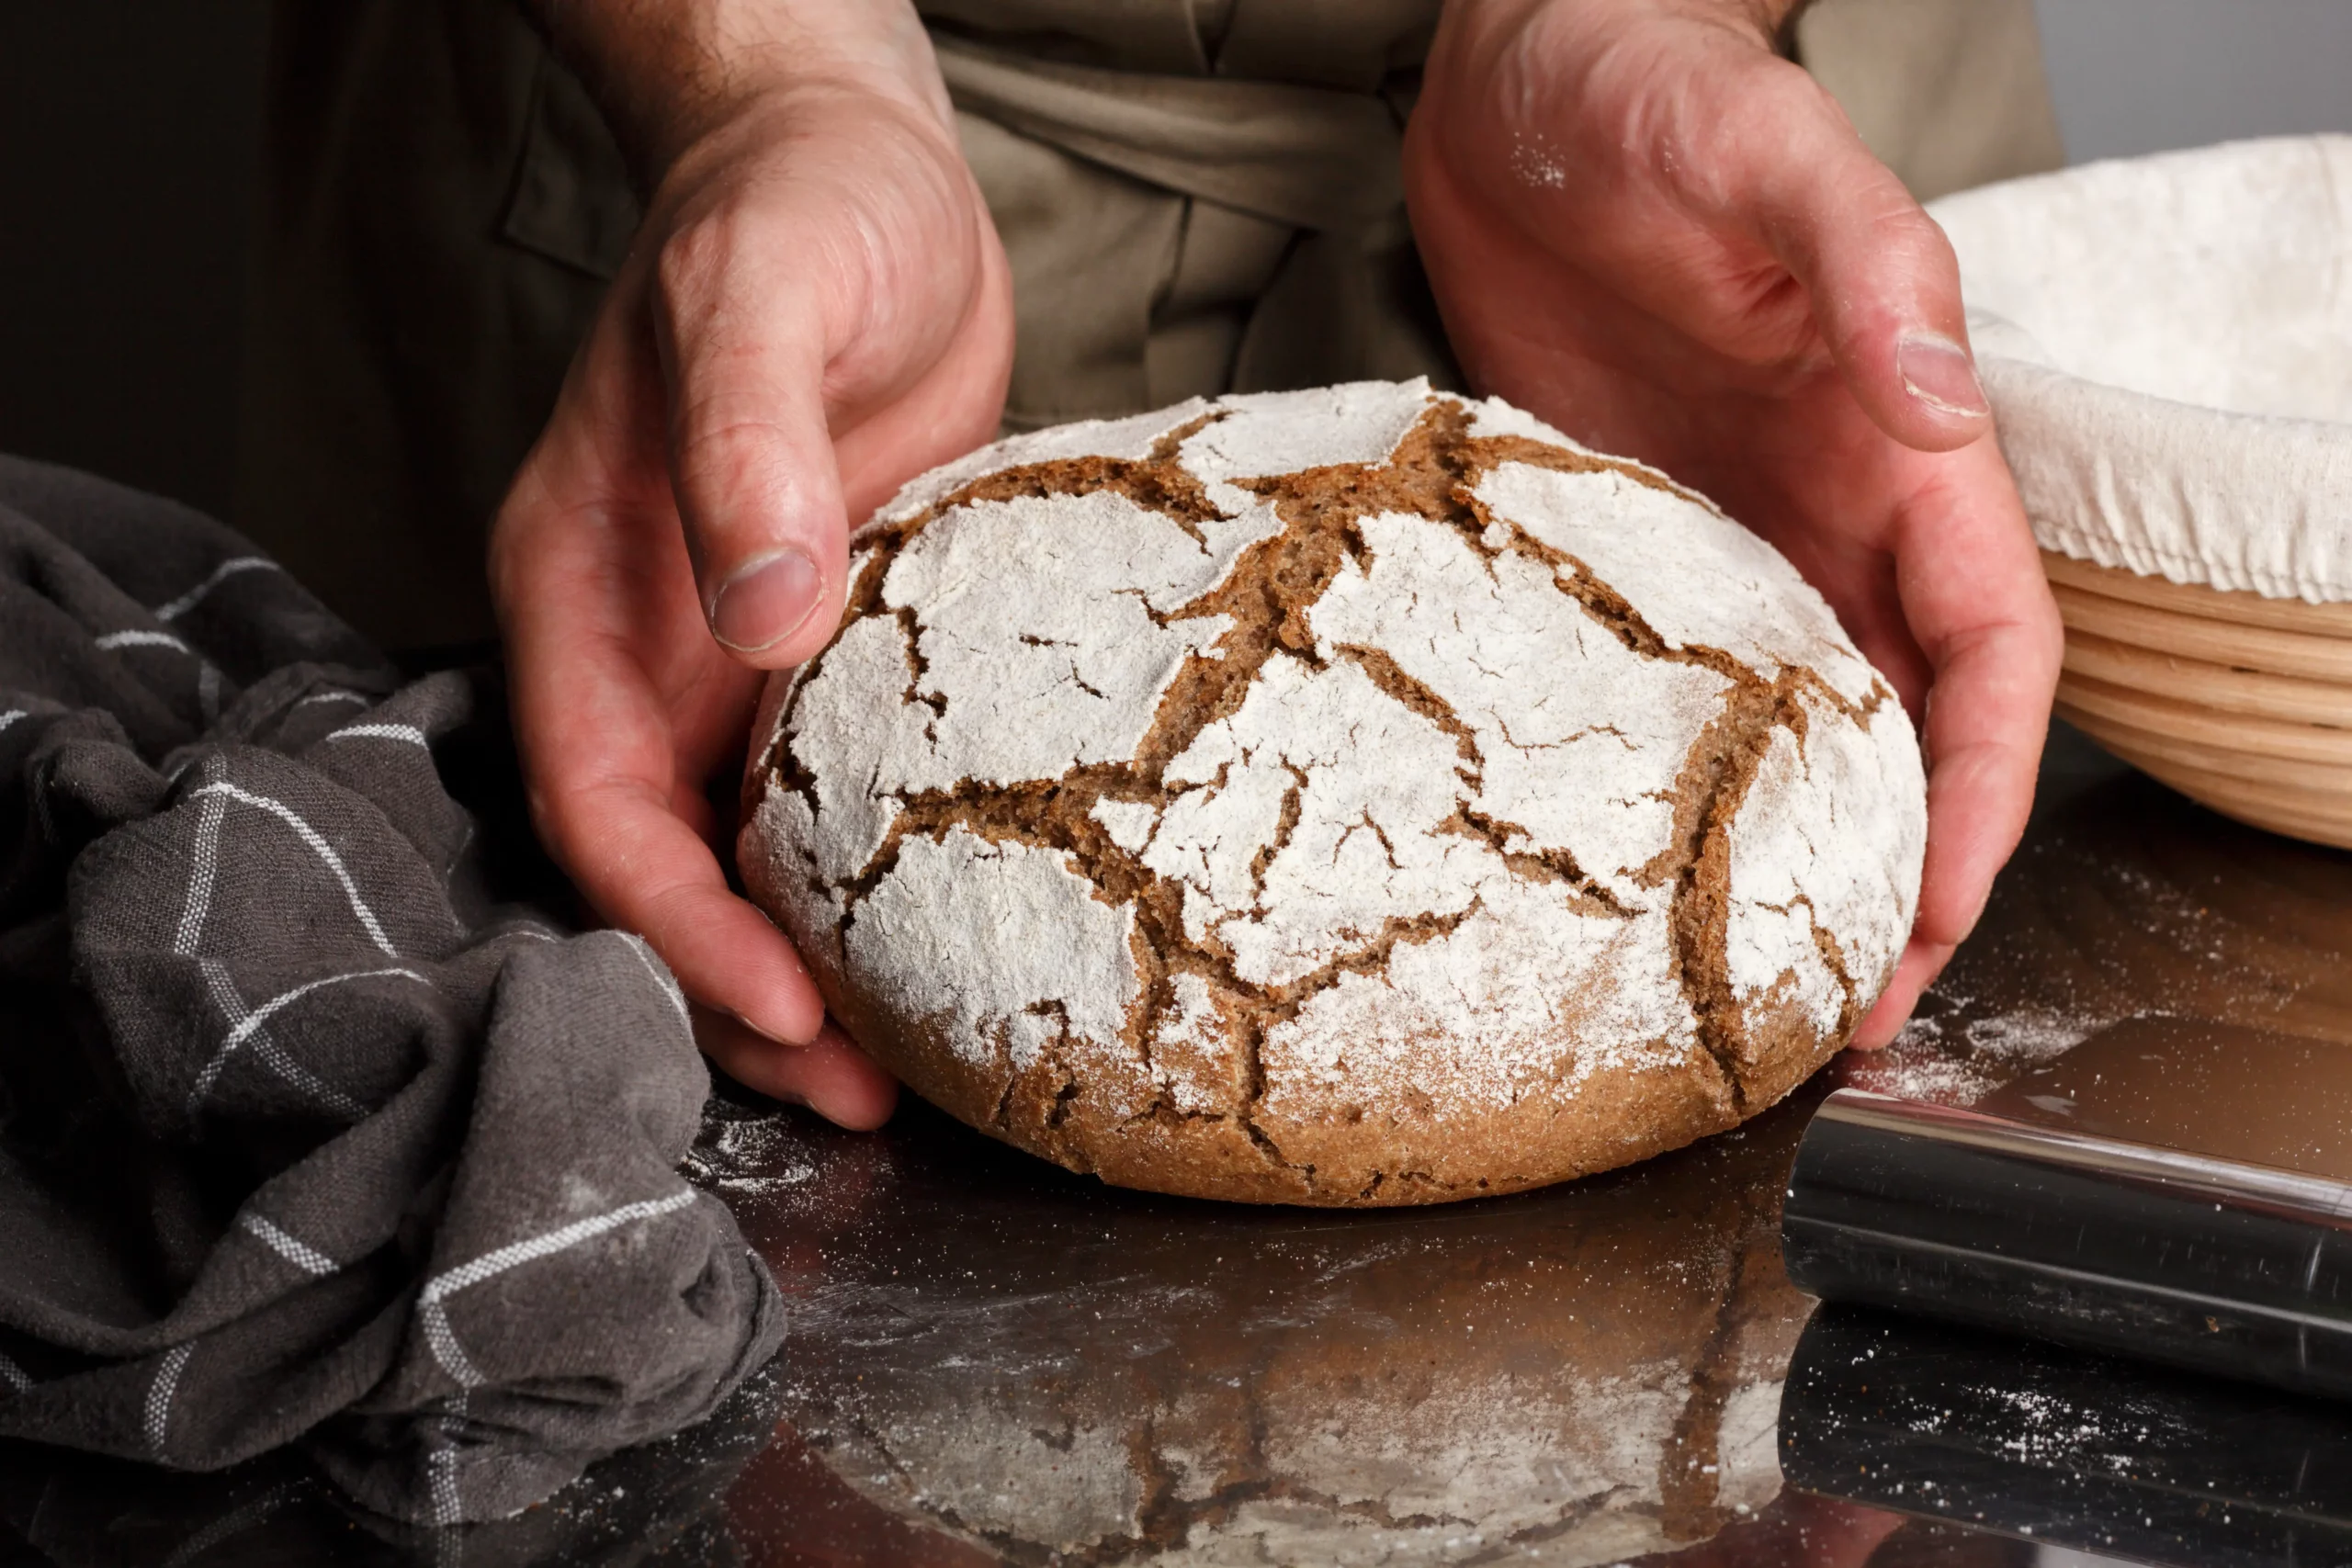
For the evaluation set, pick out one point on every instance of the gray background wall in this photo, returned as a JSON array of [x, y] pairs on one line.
[[127, 142], [2141, 75]]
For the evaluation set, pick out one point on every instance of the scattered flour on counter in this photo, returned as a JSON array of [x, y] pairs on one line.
[[749, 1156], [1946, 1061]]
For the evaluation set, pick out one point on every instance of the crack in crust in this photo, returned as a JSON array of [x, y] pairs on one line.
[[1717, 773], [1536, 866], [1285, 824], [1385, 674], [1267, 594], [1833, 954], [1060, 815]]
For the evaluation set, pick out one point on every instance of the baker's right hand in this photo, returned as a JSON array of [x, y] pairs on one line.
[[1646, 227], [816, 310]]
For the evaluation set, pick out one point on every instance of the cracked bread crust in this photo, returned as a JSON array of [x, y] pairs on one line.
[[1354, 796]]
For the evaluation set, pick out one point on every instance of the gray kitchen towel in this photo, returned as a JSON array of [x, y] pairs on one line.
[[304, 1136]]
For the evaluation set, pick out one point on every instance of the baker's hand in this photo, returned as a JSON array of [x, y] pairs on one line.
[[1647, 227], [814, 310]]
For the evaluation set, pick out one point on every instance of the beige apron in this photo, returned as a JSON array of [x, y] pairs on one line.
[[1196, 196]]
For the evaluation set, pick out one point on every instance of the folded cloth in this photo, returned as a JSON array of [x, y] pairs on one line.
[[302, 1137], [2167, 344]]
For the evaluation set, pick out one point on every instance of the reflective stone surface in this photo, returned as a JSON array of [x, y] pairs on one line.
[[1049, 1370], [993, 1361]]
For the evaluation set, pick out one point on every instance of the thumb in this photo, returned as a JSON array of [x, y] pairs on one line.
[[1880, 274], [752, 459]]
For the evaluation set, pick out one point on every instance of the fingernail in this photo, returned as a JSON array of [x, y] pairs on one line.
[[765, 599], [1940, 373]]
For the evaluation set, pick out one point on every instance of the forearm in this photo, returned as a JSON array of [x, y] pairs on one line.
[[666, 72]]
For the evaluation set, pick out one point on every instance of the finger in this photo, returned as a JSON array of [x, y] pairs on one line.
[[648, 871], [822, 283], [1914, 973], [1973, 587], [751, 459], [600, 745], [829, 1074], [1880, 274]]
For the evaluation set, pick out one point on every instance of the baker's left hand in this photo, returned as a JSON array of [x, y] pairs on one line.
[[816, 310], [1648, 229]]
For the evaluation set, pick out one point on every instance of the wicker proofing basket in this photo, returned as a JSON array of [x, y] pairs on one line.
[[2168, 346], [2240, 702]]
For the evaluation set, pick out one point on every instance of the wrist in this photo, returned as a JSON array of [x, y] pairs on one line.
[[668, 74]]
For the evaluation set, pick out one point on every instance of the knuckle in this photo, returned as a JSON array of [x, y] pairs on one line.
[[693, 254], [732, 463], [1903, 228]]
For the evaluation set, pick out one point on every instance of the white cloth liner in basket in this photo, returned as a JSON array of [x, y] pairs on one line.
[[2168, 346]]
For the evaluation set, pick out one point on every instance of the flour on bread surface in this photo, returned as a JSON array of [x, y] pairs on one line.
[[1432, 845]]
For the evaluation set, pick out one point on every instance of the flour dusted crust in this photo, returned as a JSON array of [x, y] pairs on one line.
[[1354, 796]]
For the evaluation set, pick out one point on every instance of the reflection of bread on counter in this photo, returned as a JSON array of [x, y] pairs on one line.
[[1572, 1392], [1571, 1460], [1047, 1475], [1577, 1379], [1356, 796]]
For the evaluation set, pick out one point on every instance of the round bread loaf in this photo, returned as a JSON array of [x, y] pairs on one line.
[[1353, 797]]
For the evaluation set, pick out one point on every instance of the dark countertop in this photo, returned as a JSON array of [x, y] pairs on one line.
[[994, 1362]]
